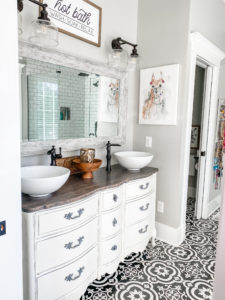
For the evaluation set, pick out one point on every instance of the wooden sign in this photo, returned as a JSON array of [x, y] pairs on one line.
[[81, 19]]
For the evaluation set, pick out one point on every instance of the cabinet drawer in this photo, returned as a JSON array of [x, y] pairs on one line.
[[110, 250], [111, 199], [139, 232], [140, 209], [58, 219], [63, 281], [110, 223], [140, 187], [63, 248]]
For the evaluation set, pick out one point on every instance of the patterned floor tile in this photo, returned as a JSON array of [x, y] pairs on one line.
[[165, 272]]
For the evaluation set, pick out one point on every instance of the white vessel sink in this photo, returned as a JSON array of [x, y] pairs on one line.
[[133, 160], [40, 181]]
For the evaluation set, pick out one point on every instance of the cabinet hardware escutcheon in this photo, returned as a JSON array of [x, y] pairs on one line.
[[114, 248], [69, 216], [70, 244], [144, 187], [115, 197], [71, 278], [114, 222], [142, 208], [143, 230]]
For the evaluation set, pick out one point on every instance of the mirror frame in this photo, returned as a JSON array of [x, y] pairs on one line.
[[67, 60]]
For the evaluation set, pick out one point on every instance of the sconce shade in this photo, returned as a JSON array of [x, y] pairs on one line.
[[118, 59], [44, 34]]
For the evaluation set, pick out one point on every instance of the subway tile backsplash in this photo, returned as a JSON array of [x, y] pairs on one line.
[[49, 91]]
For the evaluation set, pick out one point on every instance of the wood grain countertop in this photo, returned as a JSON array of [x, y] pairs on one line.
[[77, 188]]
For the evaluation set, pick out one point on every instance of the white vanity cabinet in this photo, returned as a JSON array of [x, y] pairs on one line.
[[67, 247]]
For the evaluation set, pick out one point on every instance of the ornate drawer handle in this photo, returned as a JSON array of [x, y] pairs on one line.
[[143, 230], [115, 197], [70, 276], [114, 248], [114, 222], [142, 208], [144, 187], [69, 216], [70, 244]]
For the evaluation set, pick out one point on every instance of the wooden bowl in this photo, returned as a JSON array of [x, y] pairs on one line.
[[87, 168]]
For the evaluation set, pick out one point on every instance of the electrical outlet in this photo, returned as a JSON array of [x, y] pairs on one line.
[[2, 228], [160, 207], [148, 142]]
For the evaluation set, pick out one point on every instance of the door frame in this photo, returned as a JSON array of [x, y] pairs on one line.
[[200, 49]]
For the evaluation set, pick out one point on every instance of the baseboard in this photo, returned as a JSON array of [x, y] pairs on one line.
[[213, 206], [170, 235], [191, 192]]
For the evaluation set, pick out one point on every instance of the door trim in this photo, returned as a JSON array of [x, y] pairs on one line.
[[203, 49]]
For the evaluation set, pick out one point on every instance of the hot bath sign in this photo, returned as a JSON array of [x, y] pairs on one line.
[[78, 18]]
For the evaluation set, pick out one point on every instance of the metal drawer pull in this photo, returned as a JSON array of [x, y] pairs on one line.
[[143, 230], [69, 216], [114, 222], [114, 248], [70, 244], [144, 187], [71, 278], [115, 197], [142, 208]]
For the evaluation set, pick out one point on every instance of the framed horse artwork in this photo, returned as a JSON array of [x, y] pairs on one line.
[[159, 95]]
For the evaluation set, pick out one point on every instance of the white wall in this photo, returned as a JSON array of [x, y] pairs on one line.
[[10, 201], [163, 32], [119, 20]]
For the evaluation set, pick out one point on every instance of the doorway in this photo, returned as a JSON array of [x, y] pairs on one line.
[[199, 136]]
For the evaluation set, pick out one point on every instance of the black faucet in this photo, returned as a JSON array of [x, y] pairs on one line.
[[108, 156], [54, 156]]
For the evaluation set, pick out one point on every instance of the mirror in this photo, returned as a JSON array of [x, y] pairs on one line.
[[59, 102]]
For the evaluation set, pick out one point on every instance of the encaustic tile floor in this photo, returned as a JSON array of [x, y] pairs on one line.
[[165, 272]]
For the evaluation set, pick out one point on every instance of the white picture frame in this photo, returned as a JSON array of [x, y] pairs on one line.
[[159, 95], [80, 19]]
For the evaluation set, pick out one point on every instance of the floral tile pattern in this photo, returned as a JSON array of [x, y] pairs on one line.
[[165, 272]]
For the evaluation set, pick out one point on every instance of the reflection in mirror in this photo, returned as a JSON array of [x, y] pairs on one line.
[[58, 102]]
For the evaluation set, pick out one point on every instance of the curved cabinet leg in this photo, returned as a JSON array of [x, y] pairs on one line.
[[153, 238]]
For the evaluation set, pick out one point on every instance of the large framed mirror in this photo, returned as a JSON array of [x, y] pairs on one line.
[[68, 101]]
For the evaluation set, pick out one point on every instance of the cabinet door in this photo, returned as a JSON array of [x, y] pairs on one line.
[[110, 223], [110, 250], [57, 219], [140, 187], [63, 281], [63, 248], [140, 209]]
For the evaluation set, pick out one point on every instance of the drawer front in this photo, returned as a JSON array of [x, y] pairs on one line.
[[110, 223], [140, 209], [63, 281], [140, 187], [58, 219], [110, 250], [61, 249], [111, 199], [139, 232]]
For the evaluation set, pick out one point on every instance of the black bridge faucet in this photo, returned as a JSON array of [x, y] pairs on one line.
[[54, 156], [109, 156]]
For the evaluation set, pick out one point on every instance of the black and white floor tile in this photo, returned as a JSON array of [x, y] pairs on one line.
[[166, 272]]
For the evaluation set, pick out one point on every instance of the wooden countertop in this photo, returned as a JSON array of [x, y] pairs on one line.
[[77, 188]]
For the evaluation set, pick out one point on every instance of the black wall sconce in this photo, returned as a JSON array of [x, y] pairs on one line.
[[117, 43], [44, 32], [119, 57]]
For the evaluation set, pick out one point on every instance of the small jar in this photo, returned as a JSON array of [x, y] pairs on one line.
[[87, 155]]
